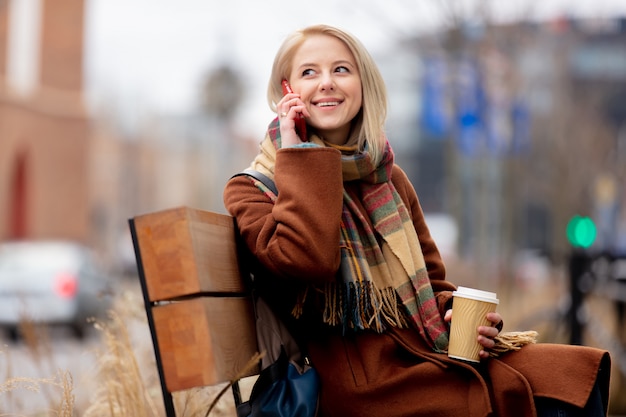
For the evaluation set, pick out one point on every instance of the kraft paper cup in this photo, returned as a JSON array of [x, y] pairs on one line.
[[469, 310]]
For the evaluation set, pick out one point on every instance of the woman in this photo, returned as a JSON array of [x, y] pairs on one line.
[[347, 260]]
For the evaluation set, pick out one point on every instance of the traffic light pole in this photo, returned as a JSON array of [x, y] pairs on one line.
[[578, 265]]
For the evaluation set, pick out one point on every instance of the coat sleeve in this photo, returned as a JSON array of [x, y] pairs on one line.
[[298, 236], [434, 263]]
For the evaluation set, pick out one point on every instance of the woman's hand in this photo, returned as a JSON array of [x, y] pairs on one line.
[[288, 108], [486, 334]]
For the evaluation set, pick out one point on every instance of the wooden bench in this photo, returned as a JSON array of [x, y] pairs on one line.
[[199, 310]]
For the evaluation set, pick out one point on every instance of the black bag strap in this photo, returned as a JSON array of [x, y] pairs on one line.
[[259, 176], [278, 369], [275, 372], [268, 376]]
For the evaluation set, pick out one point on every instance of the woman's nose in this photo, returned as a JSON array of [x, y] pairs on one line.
[[327, 83]]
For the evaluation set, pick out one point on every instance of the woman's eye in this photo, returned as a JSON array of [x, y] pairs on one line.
[[342, 69], [307, 72]]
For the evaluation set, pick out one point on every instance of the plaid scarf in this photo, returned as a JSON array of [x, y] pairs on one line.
[[380, 284]]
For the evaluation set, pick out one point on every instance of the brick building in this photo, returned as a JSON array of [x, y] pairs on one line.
[[44, 127]]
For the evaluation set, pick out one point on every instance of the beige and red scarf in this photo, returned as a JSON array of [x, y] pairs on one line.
[[379, 284]]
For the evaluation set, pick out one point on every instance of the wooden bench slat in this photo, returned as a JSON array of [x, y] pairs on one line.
[[188, 251], [204, 341]]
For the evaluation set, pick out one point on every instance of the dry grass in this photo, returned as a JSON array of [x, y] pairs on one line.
[[58, 388], [122, 391], [62, 382]]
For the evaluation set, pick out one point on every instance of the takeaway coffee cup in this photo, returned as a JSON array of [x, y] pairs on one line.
[[469, 310]]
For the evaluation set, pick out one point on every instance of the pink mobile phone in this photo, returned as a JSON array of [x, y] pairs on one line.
[[300, 122]]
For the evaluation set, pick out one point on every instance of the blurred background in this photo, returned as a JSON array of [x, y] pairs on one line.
[[509, 118]]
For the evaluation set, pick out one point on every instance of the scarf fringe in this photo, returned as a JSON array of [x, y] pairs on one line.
[[357, 306], [512, 341]]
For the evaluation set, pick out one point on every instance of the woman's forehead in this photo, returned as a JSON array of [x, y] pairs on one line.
[[323, 47]]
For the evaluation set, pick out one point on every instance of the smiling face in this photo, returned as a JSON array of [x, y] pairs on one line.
[[325, 74]]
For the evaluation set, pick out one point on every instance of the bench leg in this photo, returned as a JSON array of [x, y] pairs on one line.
[[168, 401]]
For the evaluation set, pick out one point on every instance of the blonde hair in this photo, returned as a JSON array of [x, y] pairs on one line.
[[368, 126]]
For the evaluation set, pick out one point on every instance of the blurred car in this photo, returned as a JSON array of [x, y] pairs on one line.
[[50, 282]]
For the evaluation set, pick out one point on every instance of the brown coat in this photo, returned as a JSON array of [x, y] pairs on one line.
[[391, 374]]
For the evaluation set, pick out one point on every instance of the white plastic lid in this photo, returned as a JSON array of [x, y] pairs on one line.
[[471, 293]]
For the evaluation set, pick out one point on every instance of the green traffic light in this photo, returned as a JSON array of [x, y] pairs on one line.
[[581, 231]]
